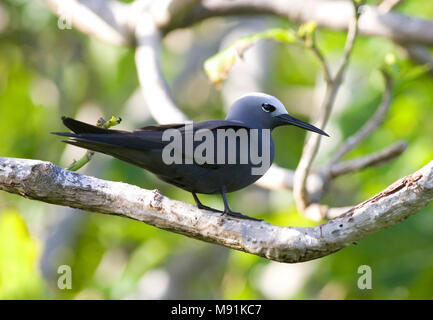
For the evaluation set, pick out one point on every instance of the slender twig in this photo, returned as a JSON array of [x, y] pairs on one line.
[[371, 125], [348, 47], [322, 61], [419, 54], [373, 159], [333, 84], [101, 123], [281, 178]]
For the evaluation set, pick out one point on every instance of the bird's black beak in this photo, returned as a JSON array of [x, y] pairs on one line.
[[285, 119]]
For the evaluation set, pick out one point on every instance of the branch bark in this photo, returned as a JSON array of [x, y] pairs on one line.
[[420, 55], [43, 181], [152, 82], [106, 20], [114, 22], [333, 14], [369, 160], [388, 5]]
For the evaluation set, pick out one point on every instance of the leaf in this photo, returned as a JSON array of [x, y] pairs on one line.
[[307, 29], [19, 255], [218, 66]]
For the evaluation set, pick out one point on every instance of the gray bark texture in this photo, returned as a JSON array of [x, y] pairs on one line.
[[44, 181]]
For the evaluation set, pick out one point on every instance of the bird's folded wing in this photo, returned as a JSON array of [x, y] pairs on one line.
[[149, 138]]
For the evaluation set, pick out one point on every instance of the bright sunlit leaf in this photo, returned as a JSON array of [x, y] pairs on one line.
[[19, 274], [218, 66]]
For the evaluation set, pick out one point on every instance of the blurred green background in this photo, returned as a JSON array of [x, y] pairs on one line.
[[46, 73]]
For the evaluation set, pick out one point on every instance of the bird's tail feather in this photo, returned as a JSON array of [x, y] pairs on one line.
[[103, 140], [129, 155], [82, 127]]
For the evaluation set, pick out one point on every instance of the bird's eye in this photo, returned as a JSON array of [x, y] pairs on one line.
[[266, 107]]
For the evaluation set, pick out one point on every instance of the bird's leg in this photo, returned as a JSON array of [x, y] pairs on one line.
[[202, 206], [230, 212]]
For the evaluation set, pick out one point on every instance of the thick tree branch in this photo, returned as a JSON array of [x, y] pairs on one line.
[[46, 182], [152, 82], [106, 20], [388, 5], [333, 14], [114, 22]]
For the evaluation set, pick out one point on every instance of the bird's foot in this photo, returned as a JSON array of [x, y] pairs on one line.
[[240, 215], [203, 207], [229, 213]]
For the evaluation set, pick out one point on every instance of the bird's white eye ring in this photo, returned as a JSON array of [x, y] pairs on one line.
[[266, 107]]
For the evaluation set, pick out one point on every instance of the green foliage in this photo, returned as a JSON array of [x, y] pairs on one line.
[[19, 255], [218, 66]]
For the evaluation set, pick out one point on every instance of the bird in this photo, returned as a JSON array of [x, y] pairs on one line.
[[199, 170]]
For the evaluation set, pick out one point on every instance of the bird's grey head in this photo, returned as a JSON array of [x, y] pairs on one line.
[[260, 110]]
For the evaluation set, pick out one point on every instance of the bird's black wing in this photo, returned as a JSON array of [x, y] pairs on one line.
[[128, 146], [213, 126], [102, 138]]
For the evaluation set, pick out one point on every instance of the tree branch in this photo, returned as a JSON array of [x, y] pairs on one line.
[[106, 20], [371, 125], [311, 147], [152, 82], [369, 160], [39, 180], [114, 22], [388, 5], [420, 55], [333, 14]]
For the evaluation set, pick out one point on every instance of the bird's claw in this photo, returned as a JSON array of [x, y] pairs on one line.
[[240, 215], [229, 213], [203, 207]]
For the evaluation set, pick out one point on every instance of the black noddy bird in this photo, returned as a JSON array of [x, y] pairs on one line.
[[144, 147]]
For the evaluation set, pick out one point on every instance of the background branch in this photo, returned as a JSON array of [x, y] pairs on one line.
[[371, 125], [369, 160], [114, 22], [106, 20], [332, 14], [152, 81], [420, 55], [311, 147], [388, 5], [46, 182]]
